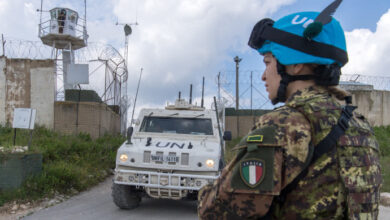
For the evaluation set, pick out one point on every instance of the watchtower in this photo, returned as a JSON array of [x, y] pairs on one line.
[[65, 31]]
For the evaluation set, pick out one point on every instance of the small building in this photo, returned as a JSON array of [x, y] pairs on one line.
[[372, 104], [26, 83], [246, 119]]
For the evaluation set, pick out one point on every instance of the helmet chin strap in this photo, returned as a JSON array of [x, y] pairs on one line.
[[286, 79]]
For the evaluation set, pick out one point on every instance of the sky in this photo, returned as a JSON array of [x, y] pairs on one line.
[[176, 42]]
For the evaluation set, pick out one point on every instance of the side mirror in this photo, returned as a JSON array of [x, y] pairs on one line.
[[227, 136], [129, 134], [135, 121]]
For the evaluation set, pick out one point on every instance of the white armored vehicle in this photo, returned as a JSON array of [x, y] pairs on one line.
[[172, 153]]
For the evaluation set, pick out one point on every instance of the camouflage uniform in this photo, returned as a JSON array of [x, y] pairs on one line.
[[342, 183]]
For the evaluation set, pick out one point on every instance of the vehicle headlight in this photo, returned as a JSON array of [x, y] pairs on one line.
[[210, 163], [123, 157]]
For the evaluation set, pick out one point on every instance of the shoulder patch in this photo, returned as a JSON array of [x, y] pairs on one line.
[[252, 171], [254, 139], [262, 136]]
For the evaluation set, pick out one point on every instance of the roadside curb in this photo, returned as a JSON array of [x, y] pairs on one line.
[[385, 199]]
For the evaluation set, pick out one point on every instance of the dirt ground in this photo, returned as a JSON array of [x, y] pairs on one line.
[[14, 210]]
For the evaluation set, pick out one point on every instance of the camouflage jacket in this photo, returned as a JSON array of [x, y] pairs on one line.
[[342, 183]]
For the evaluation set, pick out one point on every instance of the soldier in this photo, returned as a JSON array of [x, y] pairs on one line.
[[61, 21], [312, 158]]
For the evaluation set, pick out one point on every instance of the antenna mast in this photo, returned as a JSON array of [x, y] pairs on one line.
[[201, 105], [127, 29], [40, 16], [85, 15], [190, 94], [136, 95]]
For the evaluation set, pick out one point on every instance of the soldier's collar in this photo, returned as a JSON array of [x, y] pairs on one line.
[[301, 96]]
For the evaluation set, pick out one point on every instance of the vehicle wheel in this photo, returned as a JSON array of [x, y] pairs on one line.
[[125, 197], [192, 196], [222, 164]]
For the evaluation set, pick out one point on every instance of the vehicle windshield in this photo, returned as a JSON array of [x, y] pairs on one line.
[[194, 126]]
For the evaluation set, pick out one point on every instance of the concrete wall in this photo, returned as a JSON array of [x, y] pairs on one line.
[[43, 81], [27, 83], [245, 123], [2, 90], [374, 105], [94, 118]]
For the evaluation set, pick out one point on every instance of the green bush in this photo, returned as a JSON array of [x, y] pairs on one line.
[[76, 95], [382, 134], [70, 162]]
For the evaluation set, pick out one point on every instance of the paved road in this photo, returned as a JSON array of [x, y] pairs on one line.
[[97, 204]]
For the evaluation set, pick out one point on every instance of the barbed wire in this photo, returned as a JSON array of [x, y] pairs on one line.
[[106, 65], [378, 82], [256, 87], [251, 88], [25, 49]]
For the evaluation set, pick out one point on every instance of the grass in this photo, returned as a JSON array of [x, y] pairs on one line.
[[381, 133], [76, 162], [71, 163]]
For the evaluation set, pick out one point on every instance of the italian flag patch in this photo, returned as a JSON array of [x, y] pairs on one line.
[[252, 172]]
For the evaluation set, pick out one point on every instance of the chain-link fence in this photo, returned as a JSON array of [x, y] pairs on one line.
[[107, 76], [379, 82], [252, 93], [107, 69]]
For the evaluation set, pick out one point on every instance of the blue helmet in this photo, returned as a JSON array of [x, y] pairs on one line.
[[299, 24], [304, 37]]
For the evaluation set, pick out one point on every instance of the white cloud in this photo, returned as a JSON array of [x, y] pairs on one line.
[[369, 51], [18, 19], [178, 42]]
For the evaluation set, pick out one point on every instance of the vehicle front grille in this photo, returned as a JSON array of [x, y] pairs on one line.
[[147, 156], [185, 159], [159, 153], [172, 154]]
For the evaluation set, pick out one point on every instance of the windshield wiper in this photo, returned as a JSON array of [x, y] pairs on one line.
[[173, 114], [199, 115]]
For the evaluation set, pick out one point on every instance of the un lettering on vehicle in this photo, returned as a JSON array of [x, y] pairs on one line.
[[172, 145]]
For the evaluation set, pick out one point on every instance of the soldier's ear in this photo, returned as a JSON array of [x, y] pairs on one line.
[[299, 69], [295, 69]]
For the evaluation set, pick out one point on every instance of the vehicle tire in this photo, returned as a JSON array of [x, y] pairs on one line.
[[222, 164], [125, 197], [192, 196]]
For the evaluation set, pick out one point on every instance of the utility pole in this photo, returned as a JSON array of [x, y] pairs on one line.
[[202, 102], [3, 43], [237, 60], [253, 117], [219, 87]]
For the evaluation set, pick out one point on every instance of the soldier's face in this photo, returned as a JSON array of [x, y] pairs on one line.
[[271, 76]]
